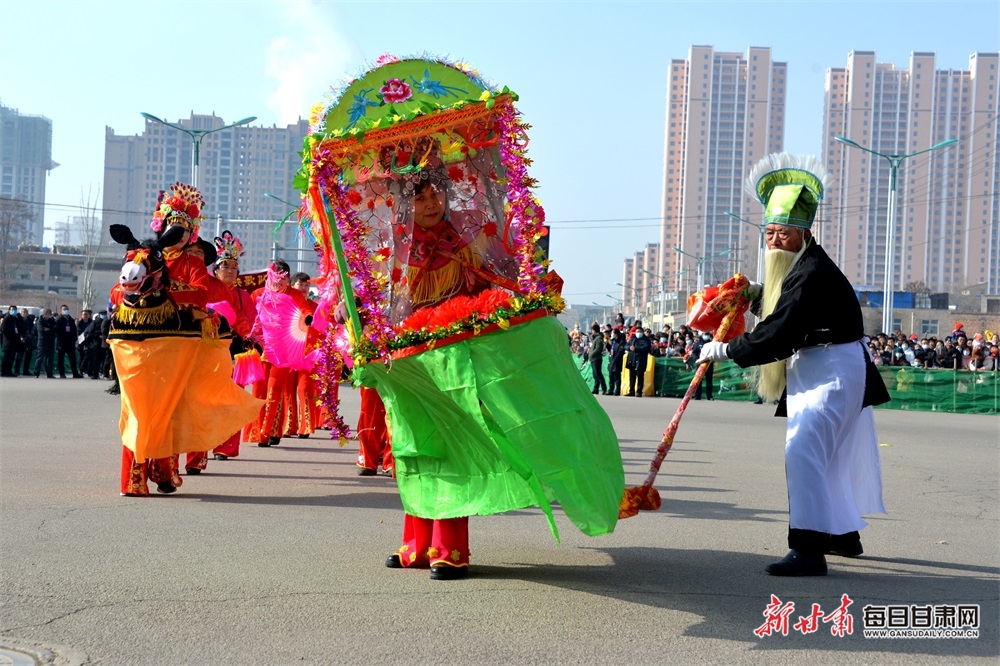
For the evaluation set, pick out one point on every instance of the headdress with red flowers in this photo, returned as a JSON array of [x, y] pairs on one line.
[[181, 206], [228, 247]]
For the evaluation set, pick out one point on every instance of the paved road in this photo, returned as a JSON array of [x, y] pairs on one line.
[[276, 557]]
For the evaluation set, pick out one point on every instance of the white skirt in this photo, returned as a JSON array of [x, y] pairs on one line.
[[831, 452]]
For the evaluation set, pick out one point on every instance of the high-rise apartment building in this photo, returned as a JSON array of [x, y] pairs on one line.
[[640, 282], [76, 231], [947, 200], [725, 111], [25, 160], [236, 168]]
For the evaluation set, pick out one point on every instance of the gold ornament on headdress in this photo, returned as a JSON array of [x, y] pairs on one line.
[[182, 206]]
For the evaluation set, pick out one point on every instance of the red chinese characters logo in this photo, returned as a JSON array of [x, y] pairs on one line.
[[776, 621], [777, 618]]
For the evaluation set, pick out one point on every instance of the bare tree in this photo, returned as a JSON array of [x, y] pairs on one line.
[[15, 216], [90, 228]]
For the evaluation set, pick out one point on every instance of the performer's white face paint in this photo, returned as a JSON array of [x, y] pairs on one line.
[[777, 263]]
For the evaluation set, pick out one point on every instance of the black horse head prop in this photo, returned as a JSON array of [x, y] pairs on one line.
[[144, 269]]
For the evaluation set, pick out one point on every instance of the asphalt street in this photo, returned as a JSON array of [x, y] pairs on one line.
[[276, 557]]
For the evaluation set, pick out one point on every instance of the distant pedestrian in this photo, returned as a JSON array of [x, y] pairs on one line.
[[710, 373], [616, 362], [596, 358], [46, 334], [12, 329], [27, 353], [66, 343], [639, 351]]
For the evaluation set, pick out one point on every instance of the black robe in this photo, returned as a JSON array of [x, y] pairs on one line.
[[817, 306]]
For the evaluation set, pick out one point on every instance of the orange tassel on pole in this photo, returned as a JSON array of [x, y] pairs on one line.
[[732, 300]]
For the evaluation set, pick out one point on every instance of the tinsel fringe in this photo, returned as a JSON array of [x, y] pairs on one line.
[[155, 316]]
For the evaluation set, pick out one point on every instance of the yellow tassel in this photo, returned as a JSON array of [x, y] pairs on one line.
[[441, 283], [210, 332], [156, 316]]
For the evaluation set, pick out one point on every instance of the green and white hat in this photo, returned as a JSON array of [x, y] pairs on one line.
[[790, 187]]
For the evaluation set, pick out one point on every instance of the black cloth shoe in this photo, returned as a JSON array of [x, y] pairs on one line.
[[193, 471], [219, 456], [303, 436], [273, 441], [364, 471], [448, 572], [797, 563], [263, 444], [165, 487], [393, 561], [845, 545]]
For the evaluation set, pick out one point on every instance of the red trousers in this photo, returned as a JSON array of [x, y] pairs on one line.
[[308, 416], [229, 448], [251, 431], [428, 542], [319, 412], [279, 403], [135, 475], [196, 460], [373, 434]]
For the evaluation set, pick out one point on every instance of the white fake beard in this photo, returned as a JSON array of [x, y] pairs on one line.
[[777, 264]]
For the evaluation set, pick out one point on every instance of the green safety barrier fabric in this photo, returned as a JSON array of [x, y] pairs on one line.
[[939, 390], [499, 422], [935, 390]]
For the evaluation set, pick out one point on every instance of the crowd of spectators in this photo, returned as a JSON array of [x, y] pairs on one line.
[[667, 342], [629, 344], [957, 351], [55, 344], [59, 344]]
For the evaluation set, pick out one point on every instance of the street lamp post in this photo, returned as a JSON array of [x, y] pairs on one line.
[[890, 239], [300, 235], [197, 136], [635, 298], [701, 263], [604, 312], [761, 246], [663, 289], [616, 304]]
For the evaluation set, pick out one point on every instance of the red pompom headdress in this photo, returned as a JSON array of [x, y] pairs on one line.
[[182, 206]]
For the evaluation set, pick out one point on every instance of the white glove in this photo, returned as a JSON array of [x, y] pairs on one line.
[[713, 351], [754, 290]]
